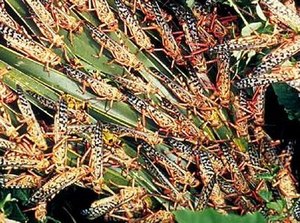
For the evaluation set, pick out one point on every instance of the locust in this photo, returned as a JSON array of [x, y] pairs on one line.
[[241, 114], [29, 47], [176, 196], [120, 53], [106, 205], [100, 87], [34, 130], [21, 181], [60, 120], [48, 103], [6, 19], [278, 74], [197, 81], [131, 22], [180, 175], [257, 105], [105, 14], [56, 184], [223, 79], [41, 12], [286, 50], [15, 160], [147, 8], [49, 34], [282, 13], [206, 193], [62, 17], [59, 150], [208, 171], [185, 125], [207, 22], [100, 207], [253, 42], [181, 93], [189, 25], [45, 22], [96, 157], [7, 128], [197, 44], [75, 108], [121, 131], [81, 5], [158, 216], [205, 165], [241, 183], [184, 147], [127, 211], [163, 120], [171, 47], [136, 84]]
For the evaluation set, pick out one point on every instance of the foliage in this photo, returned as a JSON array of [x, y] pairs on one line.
[[213, 216]]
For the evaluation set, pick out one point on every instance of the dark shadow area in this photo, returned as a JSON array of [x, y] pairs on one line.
[[278, 126]]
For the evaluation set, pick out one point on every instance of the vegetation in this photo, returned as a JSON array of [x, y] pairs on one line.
[[165, 123]]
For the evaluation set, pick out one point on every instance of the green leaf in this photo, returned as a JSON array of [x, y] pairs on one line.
[[289, 98], [260, 13], [212, 216], [248, 30], [265, 176], [265, 195], [6, 200], [278, 205], [190, 3], [276, 218]]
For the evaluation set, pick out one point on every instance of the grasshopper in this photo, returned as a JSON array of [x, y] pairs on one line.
[[45, 22], [106, 205], [96, 158], [29, 47], [34, 130], [6, 19], [278, 74], [57, 183], [223, 79], [20, 181], [100, 87], [15, 160], [164, 183], [105, 14], [241, 114], [62, 17], [163, 120], [253, 42], [171, 47], [179, 175], [136, 84], [286, 50], [120, 53], [130, 21], [206, 193], [282, 13]]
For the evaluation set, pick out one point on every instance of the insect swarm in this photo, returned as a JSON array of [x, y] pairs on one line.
[[172, 114]]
